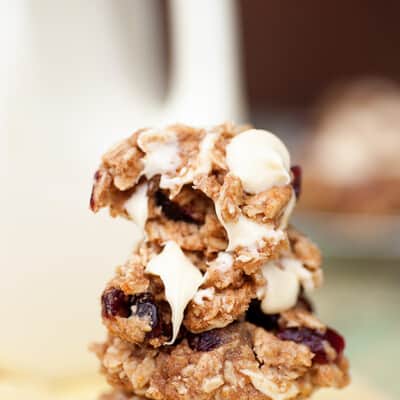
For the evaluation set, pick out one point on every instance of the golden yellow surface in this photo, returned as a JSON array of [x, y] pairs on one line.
[[23, 388], [88, 388]]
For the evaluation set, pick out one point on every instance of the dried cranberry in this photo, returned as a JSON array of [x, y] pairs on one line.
[[336, 340], [311, 338], [296, 182], [145, 307], [96, 177], [115, 303], [166, 329], [91, 202], [314, 340], [172, 210], [161, 328], [205, 341], [256, 316]]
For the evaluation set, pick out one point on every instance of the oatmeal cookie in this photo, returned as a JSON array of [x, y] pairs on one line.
[[286, 356], [136, 306], [120, 395], [210, 190]]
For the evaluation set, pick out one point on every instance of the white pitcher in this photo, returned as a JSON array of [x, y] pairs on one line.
[[77, 76]]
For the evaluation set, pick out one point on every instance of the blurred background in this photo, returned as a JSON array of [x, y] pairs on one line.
[[77, 76]]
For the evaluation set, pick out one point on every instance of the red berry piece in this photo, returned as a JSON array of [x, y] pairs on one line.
[[145, 308], [115, 303], [336, 340], [205, 341], [296, 182], [314, 340], [96, 177], [310, 338]]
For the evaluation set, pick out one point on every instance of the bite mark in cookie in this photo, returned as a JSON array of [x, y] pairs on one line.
[[316, 342]]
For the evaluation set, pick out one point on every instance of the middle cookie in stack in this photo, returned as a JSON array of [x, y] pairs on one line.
[[217, 260]]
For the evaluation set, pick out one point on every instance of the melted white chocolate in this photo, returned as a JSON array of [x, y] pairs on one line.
[[247, 233], [201, 165], [281, 291], [284, 278], [137, 206], [181, 280], [161, 150], [303, 274]]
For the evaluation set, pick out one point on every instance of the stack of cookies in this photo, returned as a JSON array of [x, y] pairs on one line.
[[212, 303]]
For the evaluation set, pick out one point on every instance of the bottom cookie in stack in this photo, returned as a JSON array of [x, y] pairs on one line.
[[120, 395], [262, 357]]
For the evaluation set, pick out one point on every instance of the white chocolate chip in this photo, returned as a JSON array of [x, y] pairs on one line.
[[259, 159], [181, 280]]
